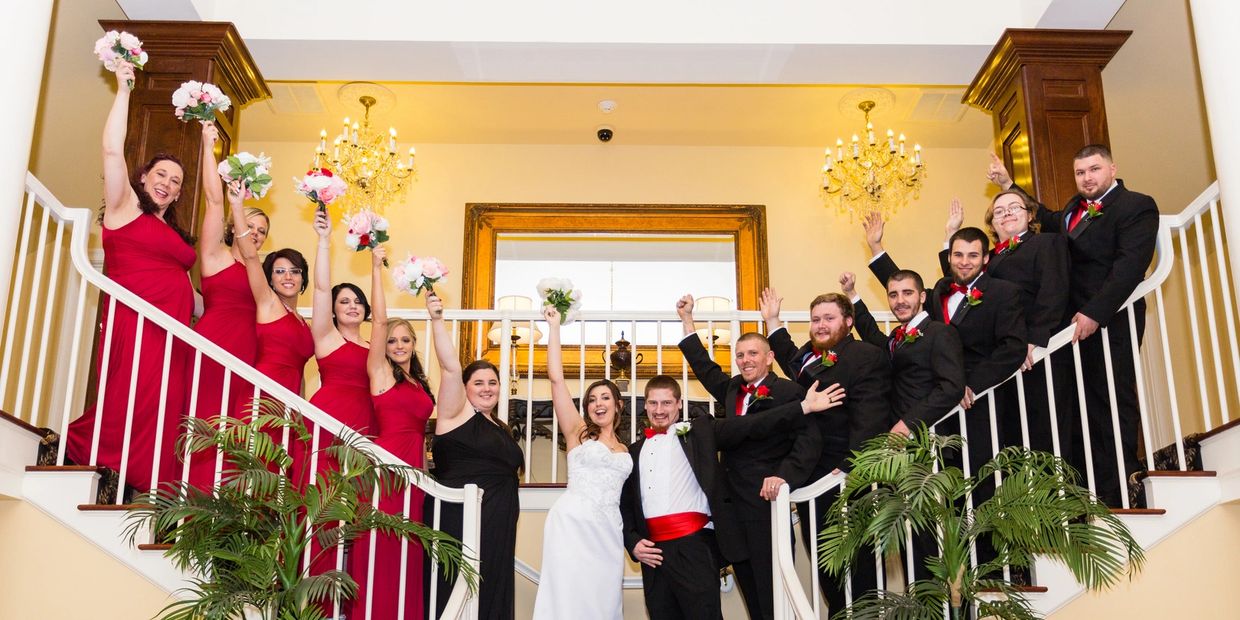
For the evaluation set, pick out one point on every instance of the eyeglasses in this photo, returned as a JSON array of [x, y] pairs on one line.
[[279, 271], [1003, 211]]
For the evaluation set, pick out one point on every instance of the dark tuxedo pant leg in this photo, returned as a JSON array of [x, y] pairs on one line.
[[686, 585], [754, 575], [1110, 482], [862, 577]]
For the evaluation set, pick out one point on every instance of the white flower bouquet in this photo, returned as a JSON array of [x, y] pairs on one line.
[[117, 49], [254, 172], [559, 293], [199, 101], [415, 275], [321, 187], [366, 229]]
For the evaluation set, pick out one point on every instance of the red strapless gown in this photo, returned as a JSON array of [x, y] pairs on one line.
[[228, 321], [344, 395], [151, 260], [400, 414], [284, 347]]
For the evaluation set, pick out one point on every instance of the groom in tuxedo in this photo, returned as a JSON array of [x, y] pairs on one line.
[[678, 517], [756, 468]]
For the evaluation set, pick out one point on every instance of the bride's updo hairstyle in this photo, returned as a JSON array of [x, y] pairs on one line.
[[591, 429]]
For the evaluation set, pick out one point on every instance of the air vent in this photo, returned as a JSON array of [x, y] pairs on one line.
[[938, 106], [295, 98]]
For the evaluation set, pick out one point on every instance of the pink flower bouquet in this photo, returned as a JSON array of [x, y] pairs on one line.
[[116, 49], [199, 101], [366, 230], [252, 171], [321, 187], [415, 275]]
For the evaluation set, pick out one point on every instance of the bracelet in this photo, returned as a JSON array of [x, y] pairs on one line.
[[247, 231]]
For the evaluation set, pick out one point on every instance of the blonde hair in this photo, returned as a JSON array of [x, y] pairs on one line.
[[249, 212]]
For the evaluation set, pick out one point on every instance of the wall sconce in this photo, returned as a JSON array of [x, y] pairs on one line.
[[715, 304]]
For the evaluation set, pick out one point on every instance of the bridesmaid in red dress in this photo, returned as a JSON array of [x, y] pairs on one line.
[[147, 252], [230, 313], [283, 339], [344, 392], [403, 403]]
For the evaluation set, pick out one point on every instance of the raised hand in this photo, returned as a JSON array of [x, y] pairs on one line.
[[997, 173], [768, 304], [551, 316], [684, 308], [210, 133], [873, 225], [322, 225], [434, 305], [955, 217], [817, 402], [378, 256], [848, 283], [124, 76]]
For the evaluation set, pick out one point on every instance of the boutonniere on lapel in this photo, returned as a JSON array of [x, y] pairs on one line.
[[1007, 246], [761, 393], [910, 335], [974, 296], [681, 428], [829, 359], [1093, 209]]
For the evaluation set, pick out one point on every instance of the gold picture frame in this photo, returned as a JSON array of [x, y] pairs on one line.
[[485, 222]]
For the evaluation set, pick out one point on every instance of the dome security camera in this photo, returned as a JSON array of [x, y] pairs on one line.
[[605, 134]]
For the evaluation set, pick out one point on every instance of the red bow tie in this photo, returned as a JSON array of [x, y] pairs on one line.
[[960, 288], [651, 431], [749, 389]]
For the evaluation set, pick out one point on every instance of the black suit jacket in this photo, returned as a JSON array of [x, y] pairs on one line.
[[701, 444], [1109, 254], [927, 375], [790, 455], [992, 332], [1039, 267], [864, 371]]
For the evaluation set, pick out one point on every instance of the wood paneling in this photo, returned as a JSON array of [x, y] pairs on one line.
[[1044, 90]]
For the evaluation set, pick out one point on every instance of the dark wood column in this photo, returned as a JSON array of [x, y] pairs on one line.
[[182, 51], [1044, 90]]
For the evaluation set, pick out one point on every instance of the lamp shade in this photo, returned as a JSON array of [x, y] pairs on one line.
[[713, 303], [520, 329]]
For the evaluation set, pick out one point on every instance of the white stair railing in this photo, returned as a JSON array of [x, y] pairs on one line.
[[1212, 387], [34, 304]]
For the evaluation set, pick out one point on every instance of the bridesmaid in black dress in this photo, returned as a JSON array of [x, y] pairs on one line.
[[472, 445]]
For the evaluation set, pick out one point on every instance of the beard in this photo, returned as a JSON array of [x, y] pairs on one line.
[[828, 343]]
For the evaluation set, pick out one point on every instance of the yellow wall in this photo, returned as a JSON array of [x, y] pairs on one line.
[[1192, 574], [48, 571]]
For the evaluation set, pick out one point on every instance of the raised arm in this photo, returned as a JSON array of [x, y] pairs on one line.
[[566, 414], [120, 204], [863, 321], [321, 324], [211, 249], [450, 402], [266, 299], [381, 379]]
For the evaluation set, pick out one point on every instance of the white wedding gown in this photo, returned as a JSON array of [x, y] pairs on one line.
[[583, 543]]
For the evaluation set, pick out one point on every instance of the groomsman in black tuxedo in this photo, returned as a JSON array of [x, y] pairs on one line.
[[756, 468], [833, 356], [677, 508], [1111, 233], [989, 318], [927, 366]]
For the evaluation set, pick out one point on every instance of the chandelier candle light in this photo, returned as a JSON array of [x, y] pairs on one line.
[[871, 175], [366, 160]]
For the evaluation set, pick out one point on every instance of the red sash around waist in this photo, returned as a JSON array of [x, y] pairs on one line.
[[670, 527]]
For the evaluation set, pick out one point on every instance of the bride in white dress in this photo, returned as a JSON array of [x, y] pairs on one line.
[[583, 546]]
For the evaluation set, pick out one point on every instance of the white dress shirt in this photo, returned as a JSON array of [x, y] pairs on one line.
[[667, 480]]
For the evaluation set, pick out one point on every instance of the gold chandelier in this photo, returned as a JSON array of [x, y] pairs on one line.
[[366, 160], [870, 175]]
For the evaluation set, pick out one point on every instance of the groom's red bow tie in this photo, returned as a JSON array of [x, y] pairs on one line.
[[651, 431], [960, 288], [749, 389]]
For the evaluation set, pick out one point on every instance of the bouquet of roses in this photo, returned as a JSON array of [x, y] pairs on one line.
[[115, 48], [200, 101], [415, 275], [253, 172], [559, 293], [366, 230], [321, 187]]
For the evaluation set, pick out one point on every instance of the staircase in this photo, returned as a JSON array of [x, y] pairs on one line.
[[44, 364]]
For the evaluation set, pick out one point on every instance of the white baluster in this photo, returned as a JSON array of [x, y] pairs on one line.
[[31, 301], [44, 335], [16, 292], [1191, 295]]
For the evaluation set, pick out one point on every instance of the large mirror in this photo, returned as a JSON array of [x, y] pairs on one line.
[[623, 258]]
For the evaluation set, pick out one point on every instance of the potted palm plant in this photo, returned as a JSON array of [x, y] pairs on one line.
[[1038, 509], [245, 543]]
